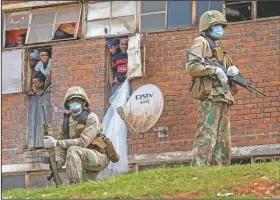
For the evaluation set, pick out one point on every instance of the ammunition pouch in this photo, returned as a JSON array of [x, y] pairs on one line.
[[105, 145], [111, 152], [218, 54], [98, 144], [201, 88]]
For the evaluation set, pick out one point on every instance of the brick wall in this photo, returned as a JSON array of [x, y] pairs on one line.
[[79, 63], [254, 48], [14, 126]]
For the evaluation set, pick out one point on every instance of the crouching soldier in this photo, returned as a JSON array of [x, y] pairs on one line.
[[81, 144]]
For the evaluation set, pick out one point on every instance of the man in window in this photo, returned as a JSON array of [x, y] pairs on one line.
[[20, 42], [119, 63], [212, 143], [44, 66]]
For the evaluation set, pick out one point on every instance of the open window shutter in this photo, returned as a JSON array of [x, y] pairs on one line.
[[134, 56]]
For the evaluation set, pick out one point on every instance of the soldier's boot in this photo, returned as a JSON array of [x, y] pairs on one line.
[[74, 181]]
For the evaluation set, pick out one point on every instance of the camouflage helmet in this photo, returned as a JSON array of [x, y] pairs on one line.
[[75, 92], [210, 18]]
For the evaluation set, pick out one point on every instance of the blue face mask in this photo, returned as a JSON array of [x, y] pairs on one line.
[[75, 108], [217, 31]]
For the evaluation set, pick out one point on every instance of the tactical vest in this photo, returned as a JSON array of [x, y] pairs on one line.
[[101, 143], [202, 86]]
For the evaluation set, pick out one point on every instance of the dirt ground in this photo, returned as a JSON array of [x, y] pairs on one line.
[[262, 187]]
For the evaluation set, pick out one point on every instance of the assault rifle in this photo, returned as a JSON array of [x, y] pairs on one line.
[[51, 151], [237, 79]]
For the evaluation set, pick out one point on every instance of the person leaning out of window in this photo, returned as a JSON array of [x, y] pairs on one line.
[[44, 66]]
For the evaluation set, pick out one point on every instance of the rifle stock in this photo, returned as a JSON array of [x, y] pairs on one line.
[[238, 79], [51, 151]]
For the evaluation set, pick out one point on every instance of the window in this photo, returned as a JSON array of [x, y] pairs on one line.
[[179, 14], [203, 6], [238, 11], [16, 24], [268, 9], [53, 23], [153, 16], [11, 71], [163, 15], [110, 18], [41, 25]]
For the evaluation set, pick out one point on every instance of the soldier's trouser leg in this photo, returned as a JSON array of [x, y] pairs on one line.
[[213, 128], [79, 159], [222, 150]]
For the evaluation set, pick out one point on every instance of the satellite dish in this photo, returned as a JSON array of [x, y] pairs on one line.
[[143, 109]]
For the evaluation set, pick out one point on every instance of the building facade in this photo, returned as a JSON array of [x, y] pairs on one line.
[[167, 29]]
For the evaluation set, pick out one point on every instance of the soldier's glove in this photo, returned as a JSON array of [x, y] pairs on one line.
[[221, 75], [49, 142], [232, 71], [59, 164]]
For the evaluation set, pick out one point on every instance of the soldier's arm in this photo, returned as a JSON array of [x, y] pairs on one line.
[[87, 136], [194, 68], [60, 151]]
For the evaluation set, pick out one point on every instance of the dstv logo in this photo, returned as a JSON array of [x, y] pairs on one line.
[[143, 96]]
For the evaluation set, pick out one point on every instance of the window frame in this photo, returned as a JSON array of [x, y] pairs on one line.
[[195, 19], [54, 23], [85, 21], [29, 23], [5, 27]]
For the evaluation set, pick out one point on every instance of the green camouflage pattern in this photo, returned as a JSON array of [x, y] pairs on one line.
[[210, 18], [77, 92], [84, 164], [80, 160], [212, 143]]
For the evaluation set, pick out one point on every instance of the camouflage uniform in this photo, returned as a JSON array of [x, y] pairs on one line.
[[212, 143], [83, 162]]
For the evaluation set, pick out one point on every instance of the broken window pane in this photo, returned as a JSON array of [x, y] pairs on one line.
[[154, 22], [268, 9], [12, 62], [179, 14], [97, 28], [152, 6], [203, 6], [40, 34], [43, 17], [98, 11], [238, 11], [123, 8], [123, 25], [17, 20], [68, 14]]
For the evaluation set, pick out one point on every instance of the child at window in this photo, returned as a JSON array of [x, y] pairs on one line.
[[38, 82]]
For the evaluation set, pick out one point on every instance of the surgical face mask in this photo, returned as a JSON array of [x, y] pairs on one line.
[[75, 108], [217, 31]]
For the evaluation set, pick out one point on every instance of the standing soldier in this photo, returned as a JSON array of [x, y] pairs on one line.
[[81, 143], [212, 143]]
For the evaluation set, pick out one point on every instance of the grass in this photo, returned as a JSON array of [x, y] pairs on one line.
[[208, 181]]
